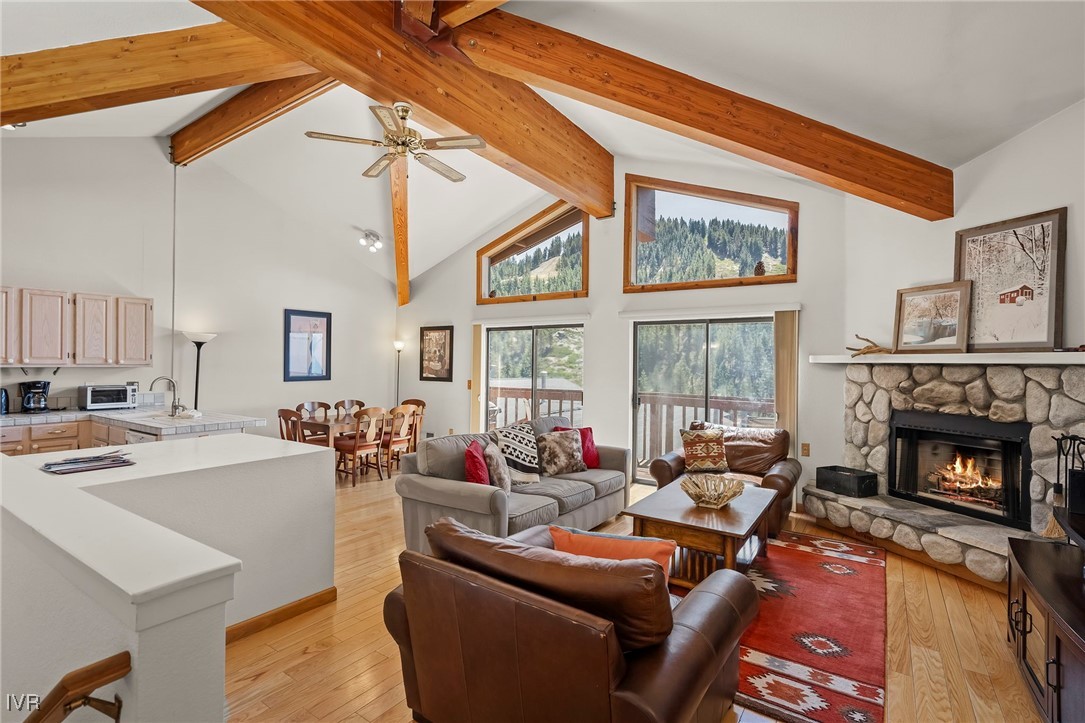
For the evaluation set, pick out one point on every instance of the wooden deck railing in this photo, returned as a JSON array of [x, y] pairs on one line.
[[661, 417], [74, 689], [513, 404]]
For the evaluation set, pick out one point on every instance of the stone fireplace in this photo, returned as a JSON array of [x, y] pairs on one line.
[[962, 463], [1049, 399], [964, 454]]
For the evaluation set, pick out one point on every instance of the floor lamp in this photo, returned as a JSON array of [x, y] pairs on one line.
[[398, 345], [199, 340]]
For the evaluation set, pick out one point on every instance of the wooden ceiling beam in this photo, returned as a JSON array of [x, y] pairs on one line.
[[616, 81], [246, 111], [120, 71], [355, 42], [457, 12], [397, 174]]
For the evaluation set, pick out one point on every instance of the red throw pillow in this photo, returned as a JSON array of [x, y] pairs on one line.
[[474, 463], [614, 547], [587, 442]]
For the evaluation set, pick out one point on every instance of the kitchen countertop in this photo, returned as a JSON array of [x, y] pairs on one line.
[[150, 420]]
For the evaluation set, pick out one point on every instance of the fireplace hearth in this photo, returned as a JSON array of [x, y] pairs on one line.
[[969, 465]]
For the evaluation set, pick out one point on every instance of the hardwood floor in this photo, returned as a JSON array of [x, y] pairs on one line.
[[946, 654]]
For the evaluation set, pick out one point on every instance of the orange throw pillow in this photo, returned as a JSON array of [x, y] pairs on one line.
[[614, 547]]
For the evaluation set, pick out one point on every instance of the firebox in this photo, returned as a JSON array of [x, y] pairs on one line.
[[969, 465]]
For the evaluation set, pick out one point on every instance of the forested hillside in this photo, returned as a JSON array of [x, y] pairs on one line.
[[549, 267], [696, 249]]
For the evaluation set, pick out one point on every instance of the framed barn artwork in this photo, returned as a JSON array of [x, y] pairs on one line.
[[1016, 268]]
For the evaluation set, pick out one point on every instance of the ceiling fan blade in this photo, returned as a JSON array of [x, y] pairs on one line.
[[434, 165], [388, 119], [380, 165], [343, 139], [454, 142]]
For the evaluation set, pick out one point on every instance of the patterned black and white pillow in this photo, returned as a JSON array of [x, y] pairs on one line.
[[521, 452]]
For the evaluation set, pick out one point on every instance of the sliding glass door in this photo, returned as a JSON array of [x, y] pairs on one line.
[[534, 372], [722, 371]]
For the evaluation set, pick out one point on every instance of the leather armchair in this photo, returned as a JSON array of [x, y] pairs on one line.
[[504, 653], [757, 456]]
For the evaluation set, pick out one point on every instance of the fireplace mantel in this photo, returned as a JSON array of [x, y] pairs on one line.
[[1037, 358]]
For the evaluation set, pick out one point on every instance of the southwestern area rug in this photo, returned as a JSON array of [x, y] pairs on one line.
[[816, 651]]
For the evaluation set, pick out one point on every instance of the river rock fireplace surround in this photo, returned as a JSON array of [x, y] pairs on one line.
[[907, 423]]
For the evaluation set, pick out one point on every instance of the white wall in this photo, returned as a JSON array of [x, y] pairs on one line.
[[1040, 169], [96, 215], [445, 295]]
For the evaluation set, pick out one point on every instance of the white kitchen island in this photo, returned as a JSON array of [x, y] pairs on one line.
[[159, 558]]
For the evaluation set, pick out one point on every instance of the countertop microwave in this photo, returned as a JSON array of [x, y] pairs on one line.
[[108, 396]]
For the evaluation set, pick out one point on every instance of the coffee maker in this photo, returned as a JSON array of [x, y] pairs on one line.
[[35, 396]]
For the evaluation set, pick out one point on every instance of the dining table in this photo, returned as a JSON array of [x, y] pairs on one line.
[[332, 427]]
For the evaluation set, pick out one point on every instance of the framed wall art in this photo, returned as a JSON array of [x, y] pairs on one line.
[[1016, 270], [435, 354], [932, 318], [307, 345]]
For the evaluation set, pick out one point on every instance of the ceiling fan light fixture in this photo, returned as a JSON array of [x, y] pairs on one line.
[[372, 249], [378, 245]]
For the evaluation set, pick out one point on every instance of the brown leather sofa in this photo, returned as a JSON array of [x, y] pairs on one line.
[[476, 647], [757, 456]]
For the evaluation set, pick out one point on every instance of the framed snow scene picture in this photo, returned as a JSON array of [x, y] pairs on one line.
[[1016, 270]]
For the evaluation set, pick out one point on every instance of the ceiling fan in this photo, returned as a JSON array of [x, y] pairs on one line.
[[402, 141]]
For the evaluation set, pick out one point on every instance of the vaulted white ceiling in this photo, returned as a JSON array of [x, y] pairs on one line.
[[945, 81]]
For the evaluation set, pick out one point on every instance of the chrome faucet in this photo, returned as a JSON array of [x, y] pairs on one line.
[[176, 407]]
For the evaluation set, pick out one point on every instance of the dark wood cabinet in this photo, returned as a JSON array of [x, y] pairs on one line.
[[1045, 615]]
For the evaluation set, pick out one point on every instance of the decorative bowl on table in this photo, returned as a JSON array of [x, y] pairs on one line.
[[714, 491]]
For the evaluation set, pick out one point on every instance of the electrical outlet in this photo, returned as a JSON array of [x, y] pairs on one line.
[[451, 431], [804, 451]]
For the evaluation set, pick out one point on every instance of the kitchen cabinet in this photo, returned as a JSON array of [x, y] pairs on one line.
[[1046, 623], [54, 437], [99, 434], [9, 325], [95, 339], [135, 331], [44, 328], [13, 441], [116, 436]]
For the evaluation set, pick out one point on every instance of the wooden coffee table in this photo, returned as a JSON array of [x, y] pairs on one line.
[[708, 539]]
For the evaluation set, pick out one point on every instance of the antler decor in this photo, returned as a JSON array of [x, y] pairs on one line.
[[872, 347]]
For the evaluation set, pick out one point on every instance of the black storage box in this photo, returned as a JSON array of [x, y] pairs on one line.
[[847, 481]]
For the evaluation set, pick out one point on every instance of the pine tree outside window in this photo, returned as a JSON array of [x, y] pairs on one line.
[[681, 236], [546, 257]]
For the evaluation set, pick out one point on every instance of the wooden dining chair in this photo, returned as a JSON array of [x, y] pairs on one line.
[[316, 412], [362, 448], [420, 414], [400, 436], [347, 407], [289, 425]]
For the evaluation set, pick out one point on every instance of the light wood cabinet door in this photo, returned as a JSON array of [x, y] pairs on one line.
[[44, 328], [95, 340], [9, 326], [116, 435], [53, 445], [135, 331]]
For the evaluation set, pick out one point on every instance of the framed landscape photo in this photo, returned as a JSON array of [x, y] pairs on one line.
[[435, 354], [1016, 270], [932, 318], [307, 346]]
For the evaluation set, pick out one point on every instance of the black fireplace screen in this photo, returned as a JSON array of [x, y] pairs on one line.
[[966, 464]]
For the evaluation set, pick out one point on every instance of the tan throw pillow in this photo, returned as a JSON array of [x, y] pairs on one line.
[[497, 467], [704, 450], [561, 453]]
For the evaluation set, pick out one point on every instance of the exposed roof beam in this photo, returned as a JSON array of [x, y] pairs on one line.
[[457, 12], [249, 109], [616, 81], [119, 71], [398, 179], [355, 42]]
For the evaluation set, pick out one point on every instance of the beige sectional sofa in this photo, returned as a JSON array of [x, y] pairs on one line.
[[433, 485]]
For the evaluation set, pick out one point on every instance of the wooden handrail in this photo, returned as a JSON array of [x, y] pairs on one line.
[[74, 689]]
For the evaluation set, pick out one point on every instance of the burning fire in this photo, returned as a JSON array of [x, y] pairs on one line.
[[963, 475]]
